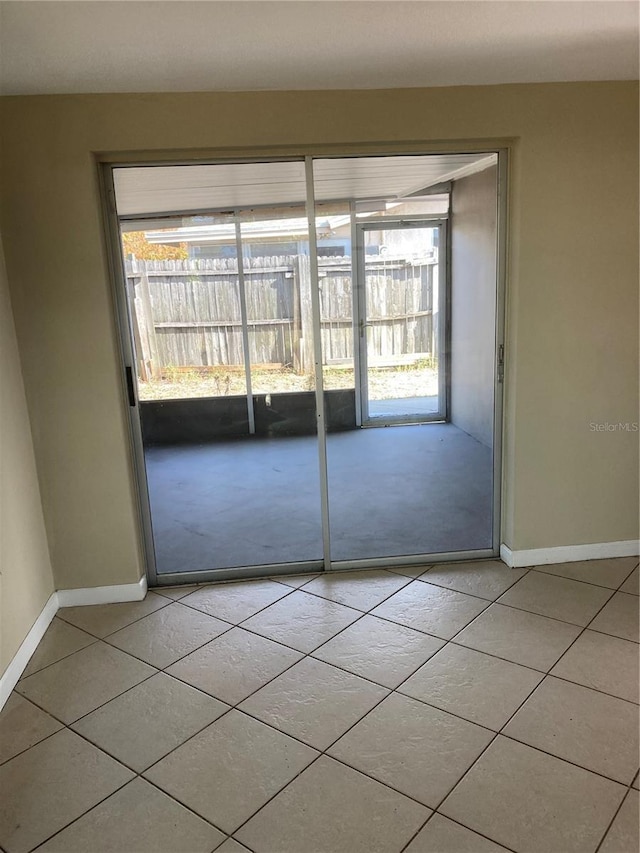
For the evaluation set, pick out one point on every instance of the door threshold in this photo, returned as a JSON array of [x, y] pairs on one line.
[[238, 573], [372, 424]]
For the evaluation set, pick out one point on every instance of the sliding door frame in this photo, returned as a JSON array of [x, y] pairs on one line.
[[321, 422], [108, 163], [124, 332]]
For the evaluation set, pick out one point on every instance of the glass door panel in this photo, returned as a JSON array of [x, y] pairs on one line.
[[282, 455], [414, 476], [186, 316], [218, 316]]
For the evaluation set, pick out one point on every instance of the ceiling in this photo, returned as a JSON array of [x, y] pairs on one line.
[[55, 46], [171, 189]]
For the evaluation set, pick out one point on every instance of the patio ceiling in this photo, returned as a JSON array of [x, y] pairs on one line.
[[164, 190]]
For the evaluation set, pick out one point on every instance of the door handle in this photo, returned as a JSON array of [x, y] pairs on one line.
[[130, 387], [363, 325]]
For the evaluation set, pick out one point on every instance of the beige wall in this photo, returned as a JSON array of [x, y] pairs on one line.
[[473, 303], [26, 579], [572, 290]]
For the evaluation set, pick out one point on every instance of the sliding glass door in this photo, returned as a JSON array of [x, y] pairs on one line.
[[217, 312], [300, 342]]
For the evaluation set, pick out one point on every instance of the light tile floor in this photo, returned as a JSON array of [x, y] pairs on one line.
[[464, 708]]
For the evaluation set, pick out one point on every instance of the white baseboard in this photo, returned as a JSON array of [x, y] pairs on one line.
[[64, 598], [12, 673], [568, 553], [115, 594]]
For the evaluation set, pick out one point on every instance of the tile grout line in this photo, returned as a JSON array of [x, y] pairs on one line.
[[435, 813], [229, 708], [508, 660], [610, 824], [307, 654], [614, 636], [295, 663], [561, 758], [491, 601], [500, 733], [77, 720], [611, 592], [293, 737], [166, 603], [325, 751], [528, 570], [408, 582], [312, 576], [94, 640], [315, 595], [630, 786], [288, 591], [473, 763], [473, 594], [585, 628], [124, 693], [322, 752], [362, 613], [553, 618], [279, 791], [368, 612], [239, 624], [184, 805], [99, 803], [539, 568], [310, 654], [549, 673], [137, 774], [120, 788], [194, 734], [147, 678], [37, 743]]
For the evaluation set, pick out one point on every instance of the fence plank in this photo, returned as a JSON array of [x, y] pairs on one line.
[[149, 327], [302, 279], [192, 313]]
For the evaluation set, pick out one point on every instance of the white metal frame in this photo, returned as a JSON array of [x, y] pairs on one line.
[[355, 311], [121, 310], [242, 293], [245, 329], [128, 371], [317, 363], [500, 353]]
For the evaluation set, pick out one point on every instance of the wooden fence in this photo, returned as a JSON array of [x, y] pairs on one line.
[[187, 313]]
